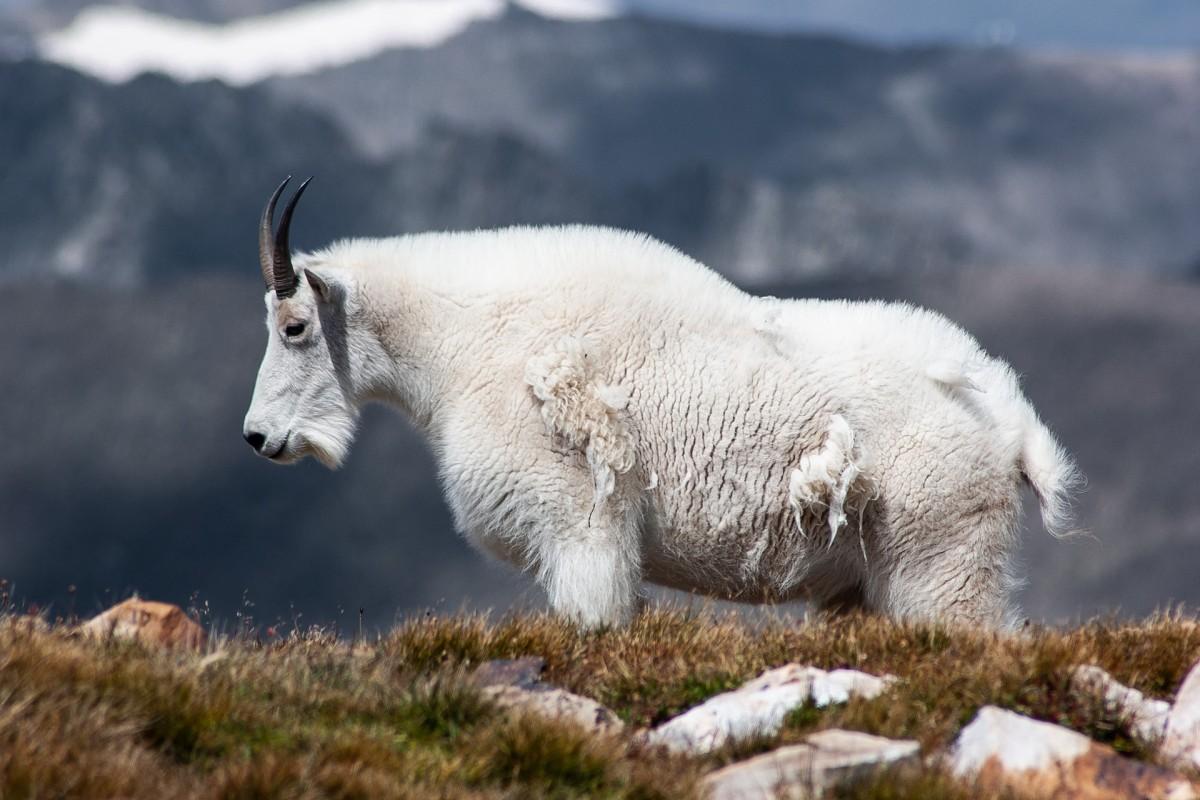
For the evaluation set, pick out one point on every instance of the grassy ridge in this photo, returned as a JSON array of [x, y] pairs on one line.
[[312, 716]]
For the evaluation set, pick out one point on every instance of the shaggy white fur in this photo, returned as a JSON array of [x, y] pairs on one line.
[[605, 410], [583, 410], [825, 476]]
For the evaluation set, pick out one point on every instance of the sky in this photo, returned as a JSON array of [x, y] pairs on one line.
[[1067, 24]]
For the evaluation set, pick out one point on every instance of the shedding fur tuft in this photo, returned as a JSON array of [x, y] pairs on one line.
[[824, 478], [583, 410]]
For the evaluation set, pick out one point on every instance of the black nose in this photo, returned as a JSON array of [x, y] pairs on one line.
[[256, 440]]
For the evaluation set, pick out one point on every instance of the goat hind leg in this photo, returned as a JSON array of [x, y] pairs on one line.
[[966, 580]]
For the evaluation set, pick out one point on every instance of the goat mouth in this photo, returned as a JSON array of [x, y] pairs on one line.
[[282, 450]]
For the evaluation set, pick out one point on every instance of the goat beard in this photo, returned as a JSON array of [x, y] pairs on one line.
[[329, 445]]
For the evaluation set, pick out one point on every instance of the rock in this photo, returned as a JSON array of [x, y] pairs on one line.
[[1003, 750], [825, 760], [1147, 717], [517, 684], [557, 704], [524, 673], [151, 623], [1181, 742], [759, 707]]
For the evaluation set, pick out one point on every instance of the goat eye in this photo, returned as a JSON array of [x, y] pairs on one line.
[[295, 329]]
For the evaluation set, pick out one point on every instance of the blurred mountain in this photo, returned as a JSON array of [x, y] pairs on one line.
[[987, 156], [129, 470], [154, 179], [112, 183], [768, 157]]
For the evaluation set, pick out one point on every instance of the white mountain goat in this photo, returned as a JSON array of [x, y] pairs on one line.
[[606, 411]]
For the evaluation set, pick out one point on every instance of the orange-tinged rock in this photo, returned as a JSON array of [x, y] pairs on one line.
[[151, 623], [1004, 750], [1181, 745]]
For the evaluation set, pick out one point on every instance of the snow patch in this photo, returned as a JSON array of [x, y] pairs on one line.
[[116, 43]]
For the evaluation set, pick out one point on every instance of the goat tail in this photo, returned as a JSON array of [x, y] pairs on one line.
[[1053, 476]]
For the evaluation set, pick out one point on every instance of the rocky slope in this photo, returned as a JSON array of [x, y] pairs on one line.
[[675, 706]]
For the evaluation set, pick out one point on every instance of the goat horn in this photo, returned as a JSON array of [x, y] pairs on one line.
[[265, 237], [281, 261]]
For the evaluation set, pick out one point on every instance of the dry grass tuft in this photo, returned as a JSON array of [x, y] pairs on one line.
[[311, 716]]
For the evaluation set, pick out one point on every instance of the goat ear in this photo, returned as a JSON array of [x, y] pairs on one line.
[[326, 287]]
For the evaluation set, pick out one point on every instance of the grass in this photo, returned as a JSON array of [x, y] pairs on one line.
[[311, 716]]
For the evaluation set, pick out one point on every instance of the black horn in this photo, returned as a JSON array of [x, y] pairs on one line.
[[274, 254], [265, 236], [285, 275]]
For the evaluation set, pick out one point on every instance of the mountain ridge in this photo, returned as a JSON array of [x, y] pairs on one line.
[[769, 157]]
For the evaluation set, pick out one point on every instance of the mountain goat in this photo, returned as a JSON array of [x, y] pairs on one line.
[[606, 411]]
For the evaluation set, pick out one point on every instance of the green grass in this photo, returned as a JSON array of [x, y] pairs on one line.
[[313, 717]]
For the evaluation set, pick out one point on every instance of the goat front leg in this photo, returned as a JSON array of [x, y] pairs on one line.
[[591, 575], [589, 563]]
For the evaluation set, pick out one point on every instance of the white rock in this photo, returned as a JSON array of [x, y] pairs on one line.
[[826, 759], [1181, 744], [1015, 742], [759, 707], [1003, 750], [1147, 717], [557, 704]]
